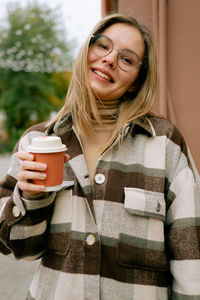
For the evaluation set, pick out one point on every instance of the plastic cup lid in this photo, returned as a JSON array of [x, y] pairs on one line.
[[46, 144]]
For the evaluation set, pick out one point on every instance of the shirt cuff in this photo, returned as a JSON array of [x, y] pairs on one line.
[[45, 200]]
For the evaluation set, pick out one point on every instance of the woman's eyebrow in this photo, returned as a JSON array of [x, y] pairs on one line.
[[126, 48]]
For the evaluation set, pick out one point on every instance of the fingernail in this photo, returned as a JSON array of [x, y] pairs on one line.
[[43, 166], [30, 156], [42, 175]]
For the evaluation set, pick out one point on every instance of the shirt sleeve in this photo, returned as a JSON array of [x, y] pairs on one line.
[[23, 222], [183, 220]]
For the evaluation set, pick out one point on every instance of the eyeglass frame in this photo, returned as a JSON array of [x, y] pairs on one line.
[[119, 51]]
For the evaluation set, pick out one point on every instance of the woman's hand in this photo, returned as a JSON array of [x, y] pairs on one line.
[[30, 170]]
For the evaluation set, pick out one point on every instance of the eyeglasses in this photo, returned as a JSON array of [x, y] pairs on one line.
[[127, 60]]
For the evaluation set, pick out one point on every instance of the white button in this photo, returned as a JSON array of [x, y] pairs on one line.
[[90, 239], [16, 212], [99, 178]]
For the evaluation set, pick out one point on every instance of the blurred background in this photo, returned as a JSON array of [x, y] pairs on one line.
[[38, 43]]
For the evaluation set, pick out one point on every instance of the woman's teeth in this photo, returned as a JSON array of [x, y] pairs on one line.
[[102, 75]]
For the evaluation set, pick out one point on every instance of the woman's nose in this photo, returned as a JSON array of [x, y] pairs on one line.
[[111, 59]]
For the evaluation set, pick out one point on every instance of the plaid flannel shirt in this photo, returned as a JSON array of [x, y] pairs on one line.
[[133, 233]]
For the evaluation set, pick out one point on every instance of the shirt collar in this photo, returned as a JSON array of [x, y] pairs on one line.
[[143, 126], [140, 126], [61, 127]]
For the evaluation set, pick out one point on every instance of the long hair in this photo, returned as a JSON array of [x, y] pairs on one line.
[[81, 101]]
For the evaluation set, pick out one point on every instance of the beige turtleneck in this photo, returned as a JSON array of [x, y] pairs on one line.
[[93, 145]]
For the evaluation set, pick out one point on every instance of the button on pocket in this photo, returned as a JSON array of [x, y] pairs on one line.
[[144, 203], [158, 208]]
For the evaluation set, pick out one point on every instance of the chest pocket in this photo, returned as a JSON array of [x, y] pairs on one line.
[[141, 239], [144, 203], [60, 226]]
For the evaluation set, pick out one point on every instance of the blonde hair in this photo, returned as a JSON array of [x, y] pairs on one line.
[[80, 100]]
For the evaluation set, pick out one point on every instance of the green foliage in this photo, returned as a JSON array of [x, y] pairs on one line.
[[33, 41], [34, 57]]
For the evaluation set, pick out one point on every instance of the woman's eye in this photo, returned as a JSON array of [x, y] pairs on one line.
[[127, 60], [103, 46]]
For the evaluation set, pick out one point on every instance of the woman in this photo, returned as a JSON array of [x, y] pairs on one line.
[[126, 228]]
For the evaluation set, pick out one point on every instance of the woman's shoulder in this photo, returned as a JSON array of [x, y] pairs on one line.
[[40, 127], [163, 126], [35, 130]]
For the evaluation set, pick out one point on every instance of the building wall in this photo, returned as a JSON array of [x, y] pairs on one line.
[[109, 6], [176, 32], [183, 50], [140, 9]]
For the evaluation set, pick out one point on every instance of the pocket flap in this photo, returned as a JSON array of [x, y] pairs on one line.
[[144, 203]]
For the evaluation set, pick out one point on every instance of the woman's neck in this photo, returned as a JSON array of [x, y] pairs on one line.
[[108, 110], [94, 144]]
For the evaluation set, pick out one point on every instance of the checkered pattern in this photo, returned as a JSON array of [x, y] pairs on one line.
[[144, 220]]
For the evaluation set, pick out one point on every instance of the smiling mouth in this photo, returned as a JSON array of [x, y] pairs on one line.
[[103, 75]]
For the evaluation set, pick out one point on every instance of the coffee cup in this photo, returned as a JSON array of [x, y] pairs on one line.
[[49, 150]]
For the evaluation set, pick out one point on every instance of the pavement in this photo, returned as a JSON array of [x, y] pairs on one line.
[[4, 164], [15, 276]]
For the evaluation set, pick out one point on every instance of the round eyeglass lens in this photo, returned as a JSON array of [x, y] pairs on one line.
[[101, 45], [128, 60]]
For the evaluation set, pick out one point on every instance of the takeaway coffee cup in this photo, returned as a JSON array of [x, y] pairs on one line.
[[49, 150]]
